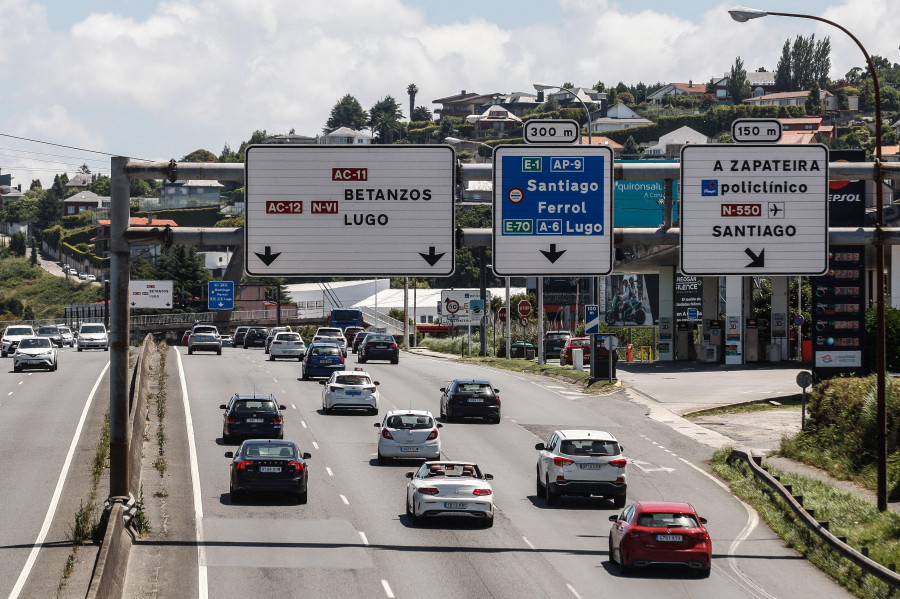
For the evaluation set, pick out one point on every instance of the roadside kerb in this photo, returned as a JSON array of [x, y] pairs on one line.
[[108, 578], [868, 565]]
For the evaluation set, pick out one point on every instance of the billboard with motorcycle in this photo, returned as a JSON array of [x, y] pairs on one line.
[[632, 300]]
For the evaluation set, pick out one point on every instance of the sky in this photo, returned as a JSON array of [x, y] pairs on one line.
[[157, 80]]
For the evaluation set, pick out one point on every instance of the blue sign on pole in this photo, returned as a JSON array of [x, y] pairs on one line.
[[220, 295], [591, 319], [693, 314]]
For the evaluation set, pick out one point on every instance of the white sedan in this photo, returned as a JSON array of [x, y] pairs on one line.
[[408, 434], [450, 489], [286, 344], [349, 389]]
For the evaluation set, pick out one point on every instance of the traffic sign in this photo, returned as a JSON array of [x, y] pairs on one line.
[[523, 321], [799, 320], [754, 209], [150, 294], [465, 306], [591, 319], [524, 308], [321, 210], [551, 131], [756, 130], [693, 314], [552, 210], [502, 314], [220, 295]]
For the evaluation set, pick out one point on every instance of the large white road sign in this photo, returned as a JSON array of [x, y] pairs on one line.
[[553, 210], [754, 209], [339, 210]]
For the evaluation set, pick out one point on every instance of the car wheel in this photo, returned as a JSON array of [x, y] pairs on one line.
[[219, 352], [538, 487], [361, 360], [79, 348], [443, 415], [619, 502], [271, 357], [328, 410], [106, 348], [549, 496], [374, 411], [235, 496], [302, 497], [280, 435], [190, 351], [226, 438], [395, 361], [382, 460], [305, 376], [409, 511], [55, 366], [488, 522], [624, 569], [3, 354], [17, 368], [496, 419], [562, 361]]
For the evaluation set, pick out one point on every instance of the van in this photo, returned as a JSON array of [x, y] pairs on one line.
[[92, 335]]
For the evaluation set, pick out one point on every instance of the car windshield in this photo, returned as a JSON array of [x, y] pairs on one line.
[[257, 332], [580, 342], [270, 450], [467, 470], [330, 333], [409, 422], [48, 331], [19, 331], [474, 388], [287, 337], [352, 379], [588, 447], [34, 343], [92, 328], [667, 520], [65, 330], [247, 406], [325, 350]]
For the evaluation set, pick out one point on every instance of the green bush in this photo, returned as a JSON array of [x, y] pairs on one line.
[[892, 338], [204, 216]]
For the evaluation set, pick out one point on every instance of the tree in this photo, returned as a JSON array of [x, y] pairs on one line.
[[814, 101], [186, 270], [384, 119], [59, 185], [49, 209], [568, 85], [84, 169], [598, 87], [17, 244], [626, 98], [102, 186], [200, 156], [724, 138], [348, 112], [631, 149], [783, 69], [34, 257], [738, 84], [421, 113], [446, 129], [412, 90], [35, 184]]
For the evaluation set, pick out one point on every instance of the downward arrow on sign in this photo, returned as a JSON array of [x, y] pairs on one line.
[[553, 255]]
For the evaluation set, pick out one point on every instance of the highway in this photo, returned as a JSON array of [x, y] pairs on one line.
[[353, 539]]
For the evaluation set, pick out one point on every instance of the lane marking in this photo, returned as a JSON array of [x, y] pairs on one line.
[[328, 470], [315, 445], [387, 589], [57, 492], [275, 380], [202, 584], [10, 393], [573, 591], [29, 374], [293, 407], [344, 499], [527, 542], [303, 422], [362, 536]]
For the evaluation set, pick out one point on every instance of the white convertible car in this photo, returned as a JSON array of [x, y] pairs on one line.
[[444, 488]]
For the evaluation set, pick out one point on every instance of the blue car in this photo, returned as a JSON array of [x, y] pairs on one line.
[[321, 359]]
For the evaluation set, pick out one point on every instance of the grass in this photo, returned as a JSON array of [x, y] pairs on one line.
[[160, 400], [141, 521], [46, 294], [855, 518], [762, 405]]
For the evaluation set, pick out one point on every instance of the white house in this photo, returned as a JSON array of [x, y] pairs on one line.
[[670, 144], [618, 117], [345, 136]]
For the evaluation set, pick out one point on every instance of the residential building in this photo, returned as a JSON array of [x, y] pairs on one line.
[[600, 140], [618, 117], [81, 181], [761, 83], [462, 104], [805, 130], [676, 89], [148, 252], [829, 100], [583, 96], [496, 122], [669, 145], [84, 201], [189, 194], [518, 103], [345, 136]]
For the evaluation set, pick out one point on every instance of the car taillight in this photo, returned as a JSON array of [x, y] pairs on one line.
[[702, 535], [618, 463], [276, 343], [482, 492], [563, 461], [369, 389], [393, 346], [433, 435], [277, 420], [231, 420], [341, 356], [296, 466], [386, 434], [243, 465], [333, 389], [429, 491]]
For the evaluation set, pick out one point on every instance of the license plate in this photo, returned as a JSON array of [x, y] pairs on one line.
[[270, 468], [354, 393], [253, 420], [668, 538], [410, 449], [454, 505], [380, 346], [590, 466], [476, 400], [325, 361]]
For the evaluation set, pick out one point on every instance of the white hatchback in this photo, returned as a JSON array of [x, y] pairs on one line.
[[286, 344], [408, 434], [349, 389], [450, 489]]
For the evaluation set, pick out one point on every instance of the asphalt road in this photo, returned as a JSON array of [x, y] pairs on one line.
[[353, 540]]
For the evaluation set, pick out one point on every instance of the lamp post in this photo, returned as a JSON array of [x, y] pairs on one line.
[[455, 141], [742, 15], [543, 86]]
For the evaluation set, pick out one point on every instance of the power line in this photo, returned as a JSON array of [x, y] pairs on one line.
[[100, 160], [50, 143]]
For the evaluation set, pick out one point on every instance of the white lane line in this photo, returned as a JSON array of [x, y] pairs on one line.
[[303, 422], [10, 393], [573, 591], [387, 589], [275, 380], [344, 499], [293, 407], [20, 382], [315, 445], [527, 542], [362, 536], [328, 470], [202, 584], [51, 510]]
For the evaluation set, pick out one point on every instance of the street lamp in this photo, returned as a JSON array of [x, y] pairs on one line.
[[455, 141], [544, 86], [742, 15]]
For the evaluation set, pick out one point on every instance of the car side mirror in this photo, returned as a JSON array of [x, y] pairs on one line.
[[443, 389], [439, 425], [322, 382], [539, 446], [621, 448], [282, 407], [229, 454], [496, 390], [306, 456], [613, 518], [702, 520], [377, 424], [410, 474], [223, 407], [377, 383], [488, 477]]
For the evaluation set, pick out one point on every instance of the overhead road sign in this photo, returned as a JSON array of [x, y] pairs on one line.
[[150, 294], [551, 131], [220, 295], [552, 210], [754, 209], [345, 211], [756, 130]]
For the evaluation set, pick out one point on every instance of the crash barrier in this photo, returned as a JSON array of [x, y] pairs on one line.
[[108, 578], [795, 502]]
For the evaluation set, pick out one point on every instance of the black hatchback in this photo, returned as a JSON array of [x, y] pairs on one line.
[[470, 397], [379, 346], [261, 466], [252, 415], [256, 337]]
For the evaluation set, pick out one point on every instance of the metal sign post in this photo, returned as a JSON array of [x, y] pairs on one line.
[[804, 379]]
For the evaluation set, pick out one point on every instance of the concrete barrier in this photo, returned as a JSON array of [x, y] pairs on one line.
[[820, 528]]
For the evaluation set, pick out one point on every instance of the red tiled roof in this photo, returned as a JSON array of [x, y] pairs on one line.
[[600, 140], [143, 221], [690, 88]]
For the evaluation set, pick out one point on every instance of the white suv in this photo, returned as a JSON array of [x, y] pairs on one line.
[[581, 462], [92, 335], [332, 335], [11, 337]]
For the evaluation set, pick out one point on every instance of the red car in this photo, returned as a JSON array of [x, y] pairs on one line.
[[184, 338], [565, 355], [350, 334], [649, 533]]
